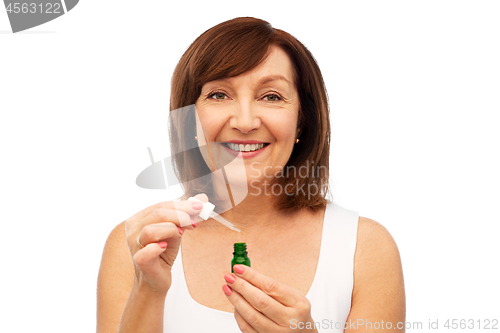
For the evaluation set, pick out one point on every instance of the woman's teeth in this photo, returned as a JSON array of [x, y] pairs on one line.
[[247, 147]]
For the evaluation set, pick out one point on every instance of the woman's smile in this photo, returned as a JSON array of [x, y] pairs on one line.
[[245, 150]]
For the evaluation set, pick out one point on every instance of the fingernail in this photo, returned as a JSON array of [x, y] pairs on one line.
[[194, 223], [229, 278], [163, 244], [226, 289], [180, 230], [238, 269], [197, 205]]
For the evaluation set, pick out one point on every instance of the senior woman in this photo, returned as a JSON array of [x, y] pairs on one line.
[[259, 97]]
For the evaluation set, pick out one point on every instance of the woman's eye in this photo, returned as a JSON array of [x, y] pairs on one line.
[[272, 98], [218, 96]]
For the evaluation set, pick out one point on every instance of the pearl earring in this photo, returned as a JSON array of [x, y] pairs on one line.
[[297, 141], [196, 138]]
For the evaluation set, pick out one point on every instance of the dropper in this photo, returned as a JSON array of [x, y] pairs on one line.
[[208, 212]]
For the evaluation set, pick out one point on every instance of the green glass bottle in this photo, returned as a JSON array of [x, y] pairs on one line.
[[240, 255]]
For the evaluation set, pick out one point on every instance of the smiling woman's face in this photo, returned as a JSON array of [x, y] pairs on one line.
[[255, 112]]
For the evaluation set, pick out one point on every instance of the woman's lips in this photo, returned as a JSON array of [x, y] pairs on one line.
[[245, 154]]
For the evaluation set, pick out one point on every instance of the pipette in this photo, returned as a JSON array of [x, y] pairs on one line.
[[208, 212]]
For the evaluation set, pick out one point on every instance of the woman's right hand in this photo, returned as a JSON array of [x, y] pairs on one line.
[[158, 229]]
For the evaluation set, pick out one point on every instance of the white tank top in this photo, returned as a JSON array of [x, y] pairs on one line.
[[329, 295]]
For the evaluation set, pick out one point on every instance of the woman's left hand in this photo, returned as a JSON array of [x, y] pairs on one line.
[[262, 304]]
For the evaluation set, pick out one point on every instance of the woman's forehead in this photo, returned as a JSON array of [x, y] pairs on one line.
[[276, 68]]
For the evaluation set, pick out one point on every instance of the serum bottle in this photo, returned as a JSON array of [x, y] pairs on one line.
[[240, 255]]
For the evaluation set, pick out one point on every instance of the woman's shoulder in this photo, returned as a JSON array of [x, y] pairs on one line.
[[377, 263], [118, 232], [378, 291], [116, 240], [374, 243], [371, 232]]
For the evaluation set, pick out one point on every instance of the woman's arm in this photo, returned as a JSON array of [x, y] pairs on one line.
[[136, 266], [118, 297], [378, 296]]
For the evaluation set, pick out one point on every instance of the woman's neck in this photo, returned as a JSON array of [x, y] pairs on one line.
[[255, 214]]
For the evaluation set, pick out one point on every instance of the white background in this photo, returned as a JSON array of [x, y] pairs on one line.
[[414, 96]]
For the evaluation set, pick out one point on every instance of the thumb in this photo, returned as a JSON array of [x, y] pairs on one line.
[[202, 197]]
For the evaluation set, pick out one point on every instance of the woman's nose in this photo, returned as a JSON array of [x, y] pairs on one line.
[[245, 118]]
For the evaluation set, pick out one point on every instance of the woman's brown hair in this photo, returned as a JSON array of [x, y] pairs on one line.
[[230, 49]]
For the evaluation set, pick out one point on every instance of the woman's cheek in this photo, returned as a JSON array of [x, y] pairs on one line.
[[210, 126]]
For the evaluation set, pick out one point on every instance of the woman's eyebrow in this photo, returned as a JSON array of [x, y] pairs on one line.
[[263, 80], [270, 78]]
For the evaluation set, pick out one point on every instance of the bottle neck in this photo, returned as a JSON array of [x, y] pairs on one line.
[[240, 250]]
